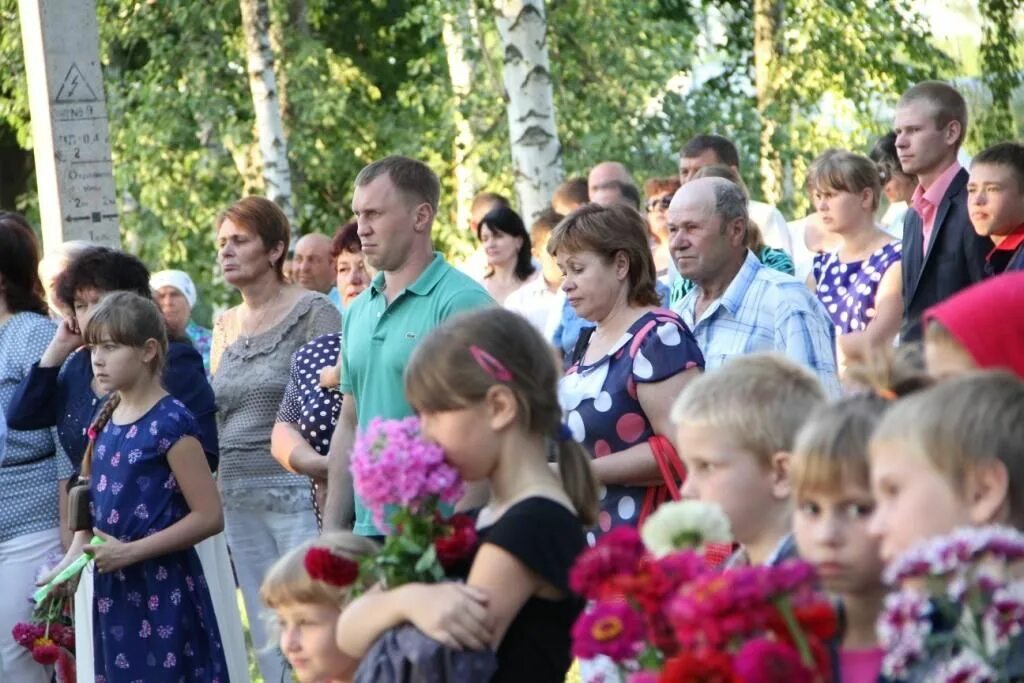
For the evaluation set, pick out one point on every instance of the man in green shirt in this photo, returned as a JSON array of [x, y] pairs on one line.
[[414, 291]]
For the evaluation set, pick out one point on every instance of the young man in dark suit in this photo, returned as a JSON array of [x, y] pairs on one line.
[[942, 254]]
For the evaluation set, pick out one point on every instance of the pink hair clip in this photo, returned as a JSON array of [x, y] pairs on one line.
[[489, 364], [91, 433]]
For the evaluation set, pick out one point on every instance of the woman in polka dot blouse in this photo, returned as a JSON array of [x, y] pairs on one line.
[[307, 416], [859, 284], [617, 392]]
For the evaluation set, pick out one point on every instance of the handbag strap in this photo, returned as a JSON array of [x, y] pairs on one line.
[[582, 342], [673, 472]]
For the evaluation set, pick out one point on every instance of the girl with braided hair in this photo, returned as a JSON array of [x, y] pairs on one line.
[[152, 499]]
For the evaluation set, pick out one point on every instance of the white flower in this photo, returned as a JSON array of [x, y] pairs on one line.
[[1003, 618], [967, 667], [685, 524]]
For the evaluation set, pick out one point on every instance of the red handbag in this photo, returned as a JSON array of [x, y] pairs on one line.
[[673, 473]]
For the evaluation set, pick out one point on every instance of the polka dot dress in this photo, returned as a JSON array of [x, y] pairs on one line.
[[601, 406], [848, 290], [311, 408]]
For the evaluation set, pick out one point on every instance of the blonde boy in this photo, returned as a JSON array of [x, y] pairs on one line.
[[735, 430], [948, 457]]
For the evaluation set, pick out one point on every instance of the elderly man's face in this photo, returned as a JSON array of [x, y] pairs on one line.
[[700, 244], [314, 265]]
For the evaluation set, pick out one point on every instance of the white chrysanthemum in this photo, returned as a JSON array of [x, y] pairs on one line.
[[685, 524]]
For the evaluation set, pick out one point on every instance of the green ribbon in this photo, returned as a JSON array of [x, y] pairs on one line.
[[69, 572]]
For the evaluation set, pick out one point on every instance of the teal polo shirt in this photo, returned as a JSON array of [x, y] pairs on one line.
[[379, 338]]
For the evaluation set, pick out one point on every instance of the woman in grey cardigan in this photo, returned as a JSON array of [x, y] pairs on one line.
[[267, 510]]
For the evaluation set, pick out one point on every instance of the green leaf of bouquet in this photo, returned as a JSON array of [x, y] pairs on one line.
[[427, 560], [408, 545]]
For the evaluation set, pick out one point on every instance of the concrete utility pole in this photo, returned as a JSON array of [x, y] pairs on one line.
[[77, 197]]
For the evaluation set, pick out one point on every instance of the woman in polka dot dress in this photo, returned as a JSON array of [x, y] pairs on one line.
[[307, 416], [860, 284], [617, 392]]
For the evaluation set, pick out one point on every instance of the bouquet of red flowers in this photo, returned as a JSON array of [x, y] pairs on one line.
[[669, 616], [50, 636], [407, 484]]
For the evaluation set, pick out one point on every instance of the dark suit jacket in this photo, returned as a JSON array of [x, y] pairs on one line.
[[955, 258]]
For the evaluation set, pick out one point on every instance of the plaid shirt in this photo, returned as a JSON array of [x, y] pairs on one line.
[[764, 310]]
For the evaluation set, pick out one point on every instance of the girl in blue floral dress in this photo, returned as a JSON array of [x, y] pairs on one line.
[[152, 499]]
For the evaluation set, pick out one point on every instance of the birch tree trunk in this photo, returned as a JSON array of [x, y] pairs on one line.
[[273, 142], [767, 16], [536, 152], [456, 33]]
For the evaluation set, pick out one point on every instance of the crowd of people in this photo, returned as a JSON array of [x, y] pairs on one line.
[[842, 386]]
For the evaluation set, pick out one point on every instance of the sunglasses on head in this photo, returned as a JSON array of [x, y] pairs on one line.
[[659, 202]]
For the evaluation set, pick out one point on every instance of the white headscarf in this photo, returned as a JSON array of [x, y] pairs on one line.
[[178, 279]]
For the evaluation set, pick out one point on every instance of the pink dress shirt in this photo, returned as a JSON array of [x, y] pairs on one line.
[[926, 202]]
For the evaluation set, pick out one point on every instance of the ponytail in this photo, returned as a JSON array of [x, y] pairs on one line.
[[891, 374], [578, 479], [95, 428]]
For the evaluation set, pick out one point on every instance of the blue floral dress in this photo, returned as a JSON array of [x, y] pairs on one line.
[[152, 621], [848, 289], [601, 405]]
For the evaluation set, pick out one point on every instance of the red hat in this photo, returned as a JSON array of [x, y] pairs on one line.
[[988, 321]]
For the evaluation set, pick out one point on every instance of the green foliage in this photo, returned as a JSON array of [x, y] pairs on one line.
[[840, 65], [365, 78], [1000, 67]]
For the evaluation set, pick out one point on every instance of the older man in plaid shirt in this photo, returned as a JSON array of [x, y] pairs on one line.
[[739, 306]]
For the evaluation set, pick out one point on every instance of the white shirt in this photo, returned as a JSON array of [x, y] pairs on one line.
[[538, 304], [892, 219], [772, 224], [475, 265]]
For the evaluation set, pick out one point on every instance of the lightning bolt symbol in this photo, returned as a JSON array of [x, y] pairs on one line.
[[74, 84]]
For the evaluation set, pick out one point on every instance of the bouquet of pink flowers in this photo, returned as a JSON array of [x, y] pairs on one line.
[[958, 611], [660, 611], [405, 482]]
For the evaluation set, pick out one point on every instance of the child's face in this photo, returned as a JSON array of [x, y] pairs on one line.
[[945, 359], [719, 472], [307, 641], [994, 199], [548, 263], [831, 531], [913, 500], [117, 366]]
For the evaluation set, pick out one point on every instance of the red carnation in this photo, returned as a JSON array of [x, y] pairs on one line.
[[26, 634], [766, 661], [711, 667], [45, 652], [617, 553], [334, 570], [457, 546]]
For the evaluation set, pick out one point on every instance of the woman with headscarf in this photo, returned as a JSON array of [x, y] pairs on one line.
[[175, 294]]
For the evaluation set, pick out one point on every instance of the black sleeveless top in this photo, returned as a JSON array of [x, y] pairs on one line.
[[547, 538]]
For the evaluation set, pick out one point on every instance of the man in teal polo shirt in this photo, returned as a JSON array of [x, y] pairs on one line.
[[414, 291]]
